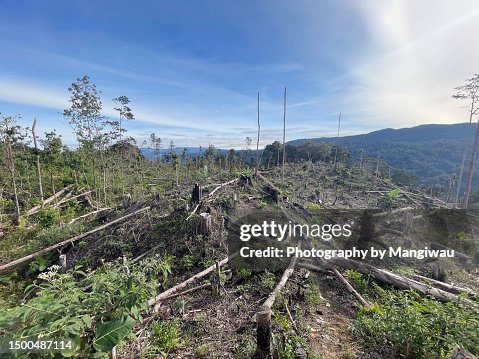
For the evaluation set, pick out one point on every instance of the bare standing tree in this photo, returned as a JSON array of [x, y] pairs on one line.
[[337, 139], [37, 159], [284, 134], [257, 141], [126, 113], [10, 134], [469, 91]]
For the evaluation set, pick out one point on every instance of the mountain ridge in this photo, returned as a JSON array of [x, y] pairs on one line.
[[426, 132]]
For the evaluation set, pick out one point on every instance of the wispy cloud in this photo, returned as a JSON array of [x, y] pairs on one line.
[[395, 64]]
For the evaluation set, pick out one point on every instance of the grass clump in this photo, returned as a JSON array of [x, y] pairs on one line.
[[166, 335], [313, 207]]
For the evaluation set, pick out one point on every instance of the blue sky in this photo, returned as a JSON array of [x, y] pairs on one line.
[[192, 68]]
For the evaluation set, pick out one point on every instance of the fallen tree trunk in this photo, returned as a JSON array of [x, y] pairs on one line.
[[166, 294], [447, 287], [35, 209], [90, 213], [340, 277], [394, 211], [351, 289], [174, 295], [64, 200], [461, 353], [193, 212], [268, 303], [68, 241], [461, 256], [400, 282], [220, 186], [312, 267]]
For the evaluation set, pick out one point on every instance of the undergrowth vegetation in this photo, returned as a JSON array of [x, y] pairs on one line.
[[409, 324], [98, 309]]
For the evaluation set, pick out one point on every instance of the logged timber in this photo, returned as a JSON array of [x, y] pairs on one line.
[[312, 267], [287, 273], [174, 295], [461, 353], [166, 294], [193, 212], [90, 213], [394, 211], [64, 200], [340, 277], [461, 256], [351, 289], [68, 241], [400, 282], [35, 209], [220, 186], [446, 286]]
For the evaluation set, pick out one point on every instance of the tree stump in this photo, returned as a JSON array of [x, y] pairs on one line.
[[461, 353], [196, 195], [264, 343], [245, 180], [273, 192], [63, 263], [126, 200], [206, 223], [408, 222], [300, 353], [215, 280]]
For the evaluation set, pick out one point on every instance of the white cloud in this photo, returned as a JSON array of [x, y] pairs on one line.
[[420, 51], [22, 92]]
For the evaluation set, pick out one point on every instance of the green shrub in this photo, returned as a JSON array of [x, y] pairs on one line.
[[267, 282], [166, 335], [188, 261], [357, 280], [422, 325], [245, 272], [98, 318], [262, 204], [313, 295], [47, 217], [313, 207]]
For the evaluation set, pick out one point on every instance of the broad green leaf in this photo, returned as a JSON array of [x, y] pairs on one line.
[[109, 334], [87, 320], [393, 193]]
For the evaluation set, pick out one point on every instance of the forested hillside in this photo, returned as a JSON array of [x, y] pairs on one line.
[[430, 152]]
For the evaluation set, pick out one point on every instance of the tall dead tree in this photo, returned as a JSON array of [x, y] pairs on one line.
[[452, 182], [470, 91], [257, 142], [37, 159], [337, 139], [10, 135], [284, 134]]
